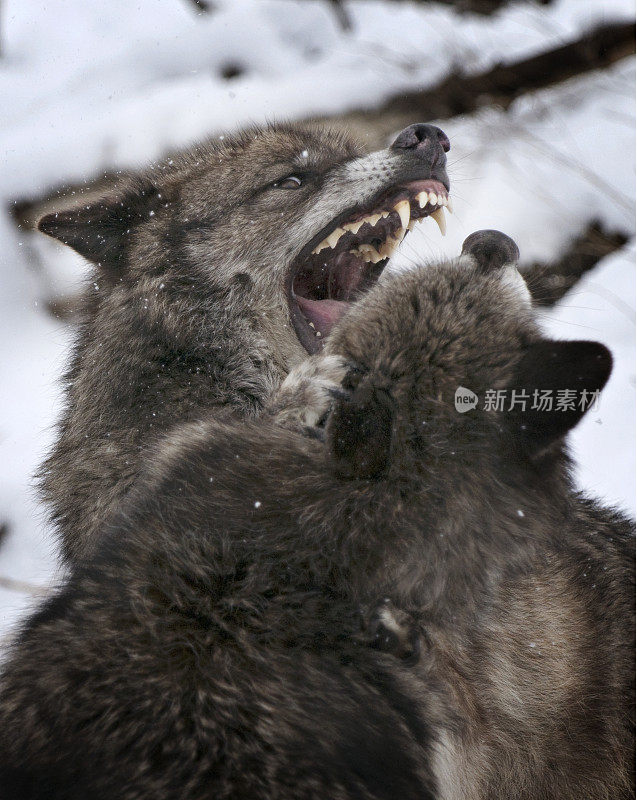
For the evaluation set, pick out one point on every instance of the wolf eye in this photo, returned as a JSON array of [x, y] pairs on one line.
[[291, 182]]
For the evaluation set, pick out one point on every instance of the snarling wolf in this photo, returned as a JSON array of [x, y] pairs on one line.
[[218, 642], [216, 273]]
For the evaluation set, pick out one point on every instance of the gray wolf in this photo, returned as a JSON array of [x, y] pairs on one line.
[[215, 273]]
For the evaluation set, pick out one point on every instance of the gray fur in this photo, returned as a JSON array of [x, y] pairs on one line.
[[212, 647], [186, 312]]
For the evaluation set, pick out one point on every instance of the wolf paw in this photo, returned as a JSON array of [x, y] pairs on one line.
[[305, 397], [360, 429], [391, 630]]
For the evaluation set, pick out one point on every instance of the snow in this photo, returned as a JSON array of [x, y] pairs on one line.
[[602, 307], [87, 87]]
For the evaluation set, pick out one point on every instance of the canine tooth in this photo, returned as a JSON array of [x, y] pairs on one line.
[[334, 236], [440, 220], [433, 198], [449, 206], [423, 199], [404, 212], [412, 225]]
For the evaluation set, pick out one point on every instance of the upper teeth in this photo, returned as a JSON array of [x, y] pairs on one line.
[[404, 212], [439, 217], [403, 209], [334, 236]]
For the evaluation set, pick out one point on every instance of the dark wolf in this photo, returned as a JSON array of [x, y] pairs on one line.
[[226, 639], [215, 273]]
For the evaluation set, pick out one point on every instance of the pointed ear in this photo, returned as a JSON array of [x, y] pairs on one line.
[[100, 231], [570, 373]]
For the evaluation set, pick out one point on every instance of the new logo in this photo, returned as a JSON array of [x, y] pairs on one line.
[[465, 399]]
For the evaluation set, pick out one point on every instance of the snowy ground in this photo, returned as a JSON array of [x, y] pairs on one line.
[[87, 86]]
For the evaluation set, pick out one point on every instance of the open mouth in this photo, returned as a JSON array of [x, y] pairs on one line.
[[343, 261]]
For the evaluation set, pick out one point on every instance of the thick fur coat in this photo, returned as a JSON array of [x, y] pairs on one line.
[[226, 639], [187, 310]]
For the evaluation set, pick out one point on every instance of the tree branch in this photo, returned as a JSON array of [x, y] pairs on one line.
[[499, 86], [549, 282]]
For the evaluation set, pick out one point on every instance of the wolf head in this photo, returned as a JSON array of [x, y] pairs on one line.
[[465, 328], [292, 222]]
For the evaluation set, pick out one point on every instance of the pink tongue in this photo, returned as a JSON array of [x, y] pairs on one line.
[[323, 313]]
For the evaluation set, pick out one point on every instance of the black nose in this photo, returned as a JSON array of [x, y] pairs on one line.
[[491, 249], [421, 137]]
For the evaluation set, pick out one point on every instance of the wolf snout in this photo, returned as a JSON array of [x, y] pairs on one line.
[[490, 249], [427, 141]]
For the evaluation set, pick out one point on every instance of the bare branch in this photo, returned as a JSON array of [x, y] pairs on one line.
[[499, 86], [549, 282]]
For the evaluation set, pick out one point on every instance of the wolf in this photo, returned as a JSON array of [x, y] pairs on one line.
[[217, 643], [214, 274]]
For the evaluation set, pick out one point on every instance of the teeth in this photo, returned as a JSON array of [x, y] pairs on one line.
[[330, 241], [334, 236], [404, 212], [403, 209], [372, 219], [387, 248], [370, 253], [439, 217], [359, 253], [354, 227]]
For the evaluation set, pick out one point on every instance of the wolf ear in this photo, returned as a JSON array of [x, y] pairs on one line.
[[571, 374], [99, 231]]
